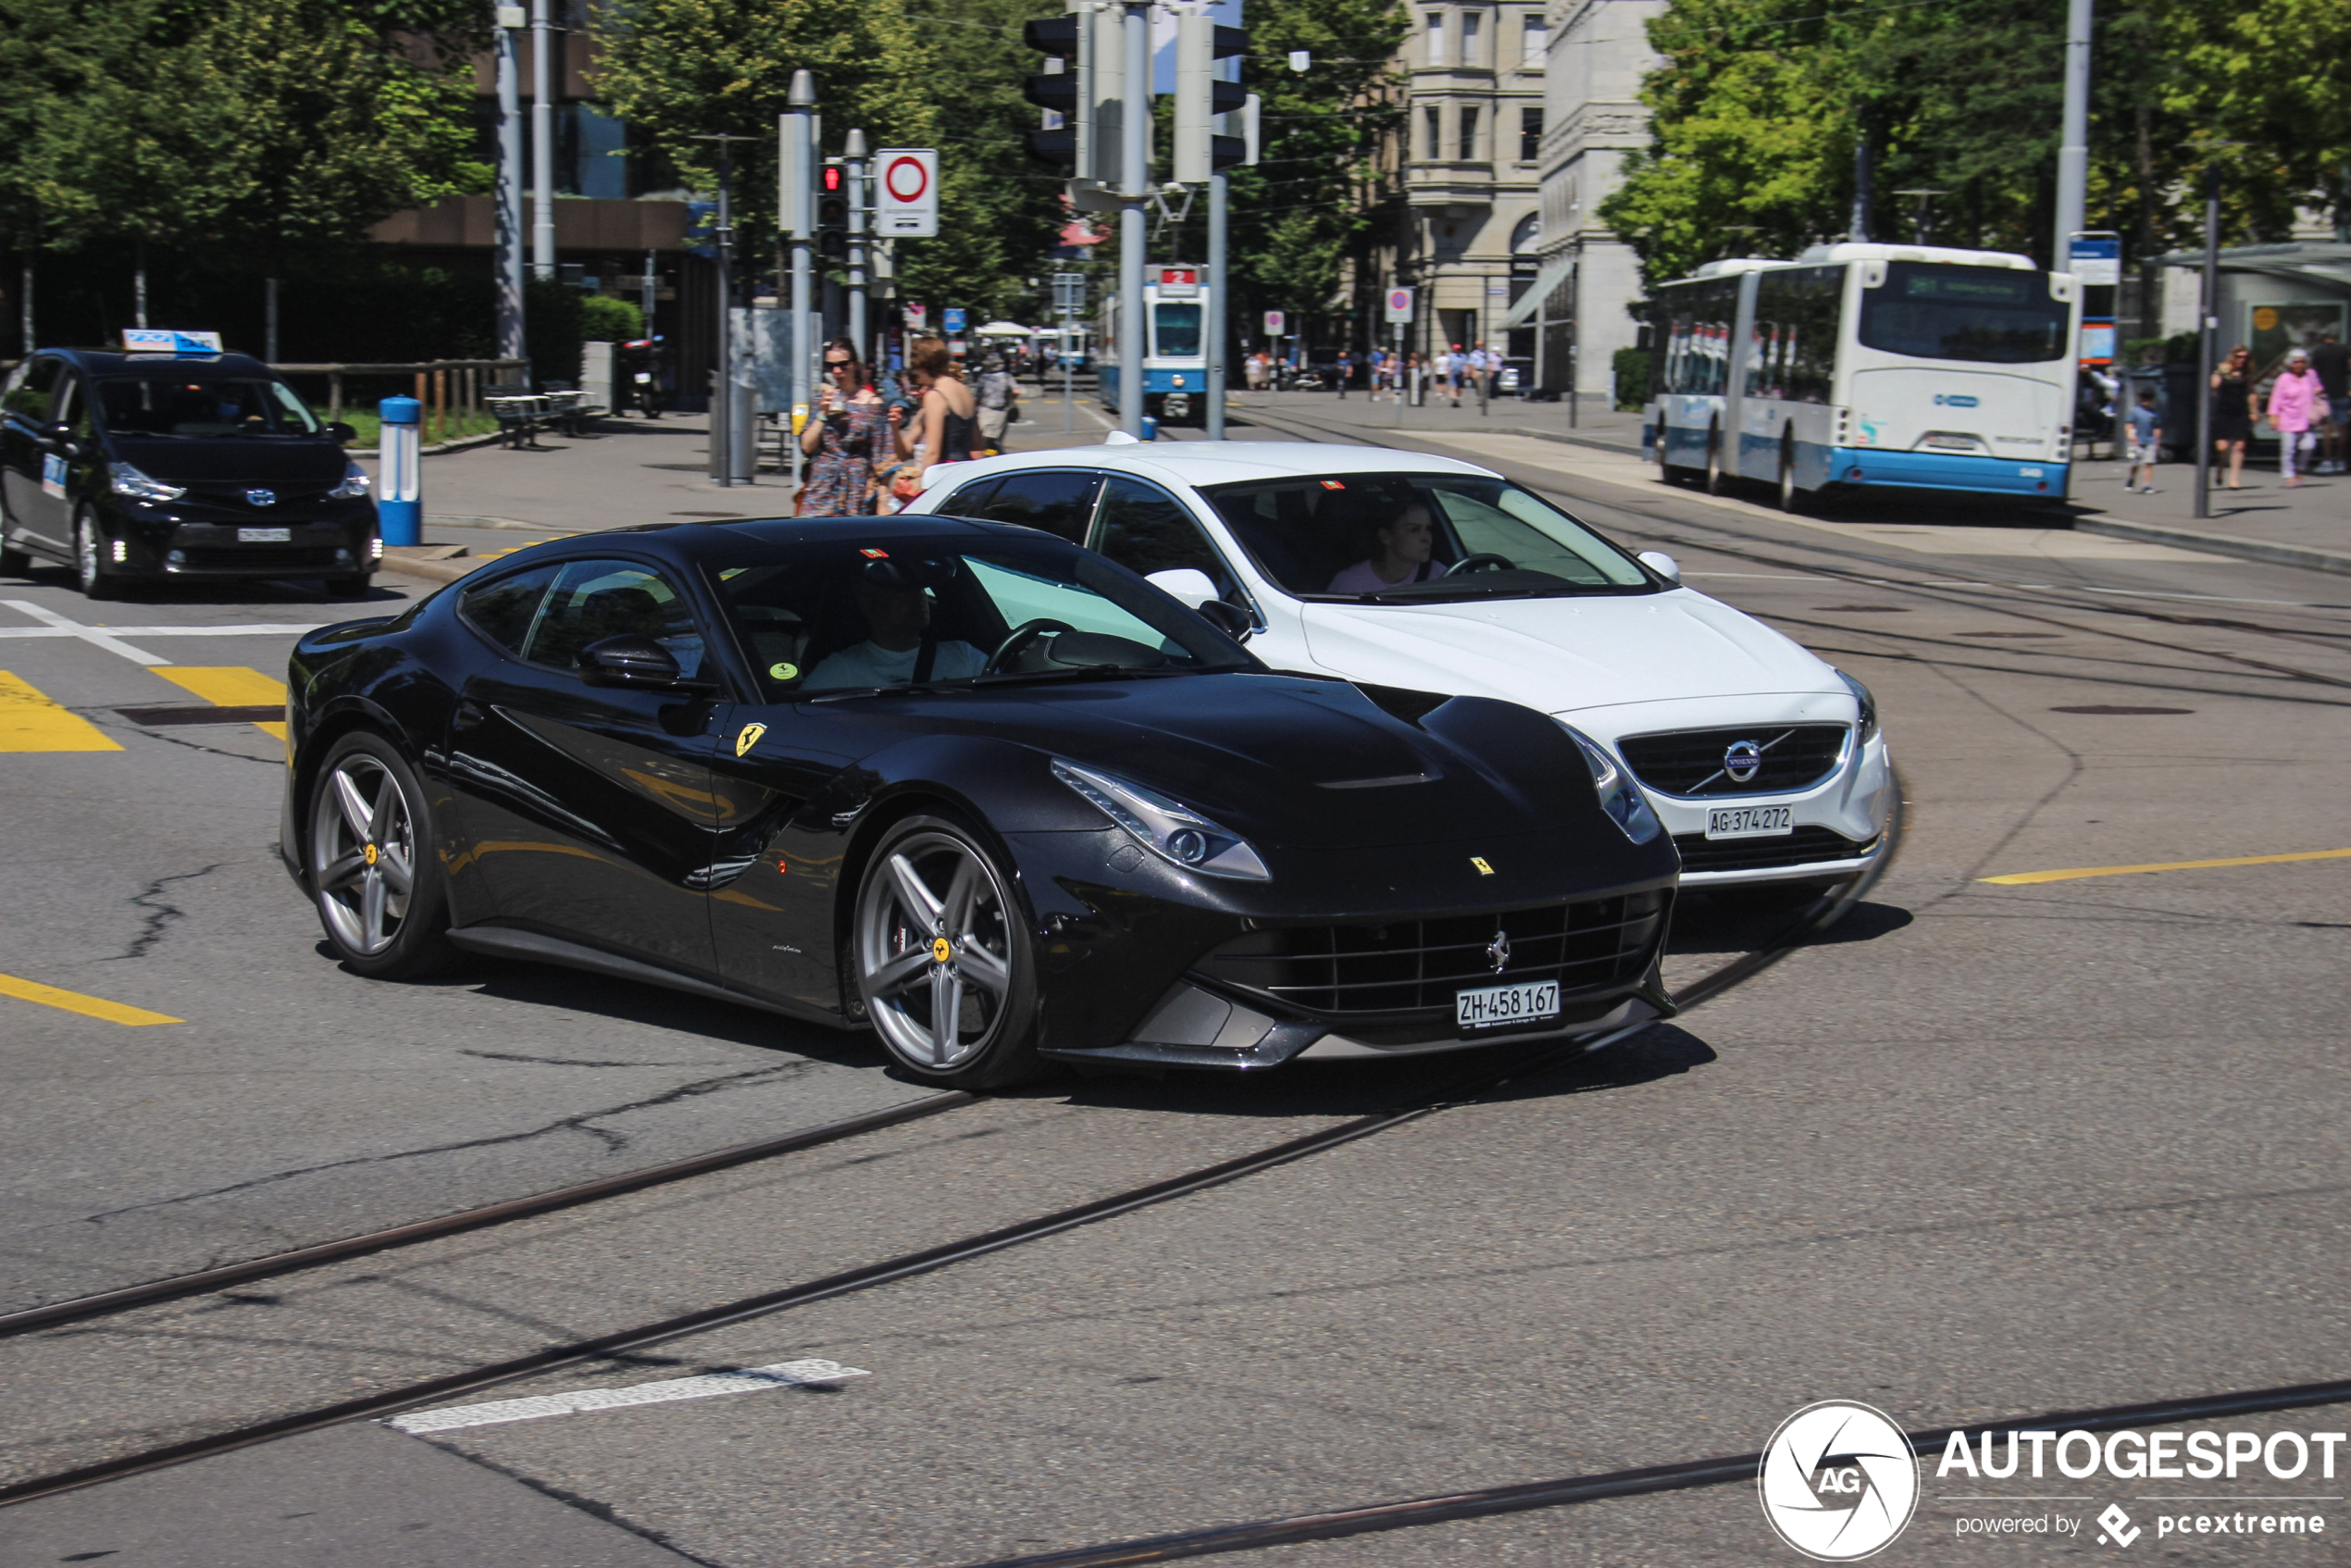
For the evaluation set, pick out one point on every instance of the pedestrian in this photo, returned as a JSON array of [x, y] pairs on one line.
[[1345, 370], [1442, 368], [2296, 398], [1416, 377], [945, 418], [999, 403], [847, 439], [2234, 408], [2331, 361], [2146, 444]]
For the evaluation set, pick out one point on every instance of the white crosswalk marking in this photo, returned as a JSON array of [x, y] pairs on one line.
[[110, 637], [783, 1375]]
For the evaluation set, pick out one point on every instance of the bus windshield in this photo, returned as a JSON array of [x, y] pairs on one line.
[[1989, 315], [1176, 330]]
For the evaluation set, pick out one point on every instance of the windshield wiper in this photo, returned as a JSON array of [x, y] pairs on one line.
[[901, 688]]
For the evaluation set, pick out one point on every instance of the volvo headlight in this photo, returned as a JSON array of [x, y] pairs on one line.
[[1168, 828], [1620, 797], [129, 481], [354, 483], [1866, 725]]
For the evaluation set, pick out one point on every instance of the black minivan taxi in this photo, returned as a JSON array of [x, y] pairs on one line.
[[133, 468]]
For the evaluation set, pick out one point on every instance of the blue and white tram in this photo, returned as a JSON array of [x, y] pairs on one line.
[[1175, 354], [1861, 366]]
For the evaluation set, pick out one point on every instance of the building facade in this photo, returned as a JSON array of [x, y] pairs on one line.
[[1468, 144], [1582, 302]]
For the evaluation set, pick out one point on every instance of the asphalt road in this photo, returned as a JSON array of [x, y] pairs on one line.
[[1993, 1149]]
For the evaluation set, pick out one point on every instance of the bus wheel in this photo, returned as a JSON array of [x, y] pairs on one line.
[[1666, 472], [1789, 494], [1714, 478]]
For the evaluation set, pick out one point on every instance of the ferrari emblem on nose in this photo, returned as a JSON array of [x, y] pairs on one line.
[[1483, 869], [749, 737], [1497, 952]]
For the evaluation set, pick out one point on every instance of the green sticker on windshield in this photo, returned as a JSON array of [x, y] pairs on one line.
[[783, 672]]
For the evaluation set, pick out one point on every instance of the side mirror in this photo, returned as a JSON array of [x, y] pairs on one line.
[[1230, 619], [1187, 583], [1661, 564], [341, 432], [634, 659]]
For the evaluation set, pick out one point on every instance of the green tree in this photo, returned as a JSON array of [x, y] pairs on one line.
[[676, 70]]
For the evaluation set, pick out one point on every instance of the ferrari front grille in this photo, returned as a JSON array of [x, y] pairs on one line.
[[1410, 964]]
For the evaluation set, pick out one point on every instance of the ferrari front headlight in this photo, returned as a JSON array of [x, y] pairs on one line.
[[1168, 828]]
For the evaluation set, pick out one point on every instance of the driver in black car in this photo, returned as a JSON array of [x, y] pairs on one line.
[[1407, 545], [899, 647]]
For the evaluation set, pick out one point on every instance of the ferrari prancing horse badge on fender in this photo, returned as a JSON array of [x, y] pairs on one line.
[[749, 737]]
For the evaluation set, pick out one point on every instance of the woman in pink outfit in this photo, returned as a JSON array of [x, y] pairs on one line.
[[2294, 406]]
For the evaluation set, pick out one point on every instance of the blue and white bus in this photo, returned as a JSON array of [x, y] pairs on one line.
[[1866, 367], [1175, 357]]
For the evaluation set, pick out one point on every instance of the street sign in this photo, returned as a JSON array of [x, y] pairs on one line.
[[906, 193], [952, 320], [2096, 259], [1274, 323], [1069, 293], [917, 318], [1399, 307]]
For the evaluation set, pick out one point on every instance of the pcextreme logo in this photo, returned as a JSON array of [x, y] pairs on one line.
[[1839, 1483]]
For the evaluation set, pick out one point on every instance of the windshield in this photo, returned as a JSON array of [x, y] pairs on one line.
[[173, 402], [1987, 314], [1413, 538], [868, 614], [1176, 328]]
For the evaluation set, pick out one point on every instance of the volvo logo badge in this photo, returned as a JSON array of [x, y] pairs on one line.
[[1743, 760], [1497, 952], [261, 497]]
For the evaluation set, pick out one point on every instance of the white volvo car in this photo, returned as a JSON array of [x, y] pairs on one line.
[[1399, 569]]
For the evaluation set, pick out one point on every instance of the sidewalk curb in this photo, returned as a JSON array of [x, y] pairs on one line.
[[2260, 549], [433, 571], [463, 443]]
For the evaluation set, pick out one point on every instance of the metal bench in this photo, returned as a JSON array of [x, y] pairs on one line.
[[520, 414]]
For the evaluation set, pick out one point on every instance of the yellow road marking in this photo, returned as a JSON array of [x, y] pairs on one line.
[[31, 721], [231, 686], [74, 1001], [2015, 878]]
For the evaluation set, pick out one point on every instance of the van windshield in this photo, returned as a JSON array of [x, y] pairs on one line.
[[1383, 538], [1986, 315], [173, 402]]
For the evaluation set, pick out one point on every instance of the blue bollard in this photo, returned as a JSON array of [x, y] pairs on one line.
[[400, 481], [1151, 428]]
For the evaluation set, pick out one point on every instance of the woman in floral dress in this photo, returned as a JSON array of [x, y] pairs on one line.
[[851, 433]]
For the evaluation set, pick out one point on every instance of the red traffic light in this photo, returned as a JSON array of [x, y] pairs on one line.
[[832, 177]]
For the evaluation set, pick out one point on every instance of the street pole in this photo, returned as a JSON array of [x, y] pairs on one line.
[[1399, 388], [1135, 131], [509, 199], [799, 220], [854, 148], [722, 385], [1218, 194], [542, 145], [648, 287], [2208, 319], [2073, 151]]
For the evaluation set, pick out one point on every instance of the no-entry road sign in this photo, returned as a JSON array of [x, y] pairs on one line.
[[906, 193], [1399, 307]]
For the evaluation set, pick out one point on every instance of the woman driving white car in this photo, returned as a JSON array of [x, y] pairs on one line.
[[1407, 545]]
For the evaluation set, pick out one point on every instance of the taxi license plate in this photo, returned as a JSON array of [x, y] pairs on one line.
[[1750, 822], [264, 536], [1493, 1007]]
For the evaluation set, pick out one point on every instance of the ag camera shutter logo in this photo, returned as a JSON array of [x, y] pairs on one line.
[[1838, 1481]]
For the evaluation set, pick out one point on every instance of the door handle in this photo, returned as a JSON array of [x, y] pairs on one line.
[[470, 713]]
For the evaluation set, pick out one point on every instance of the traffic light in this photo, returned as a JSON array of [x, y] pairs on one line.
[[1202, 95], [1062, 88], [832, 211]]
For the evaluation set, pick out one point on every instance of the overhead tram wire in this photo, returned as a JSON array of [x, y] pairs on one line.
[[1807, 924]]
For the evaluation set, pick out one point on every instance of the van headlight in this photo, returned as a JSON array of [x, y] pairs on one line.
[[1865, 726], [129, 481], [1620, 797], [1168, 828], [354, 483]]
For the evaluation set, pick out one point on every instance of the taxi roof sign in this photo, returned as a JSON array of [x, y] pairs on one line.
[[164, 339]]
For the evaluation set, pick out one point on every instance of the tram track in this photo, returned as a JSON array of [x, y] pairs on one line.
[[1800, 930]]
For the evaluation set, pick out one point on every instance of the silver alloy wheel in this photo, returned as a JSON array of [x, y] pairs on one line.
[[86, 565], [934, 949], [362, 854]]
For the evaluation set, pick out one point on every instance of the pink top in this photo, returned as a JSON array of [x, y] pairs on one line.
[[2292, 399], [1363, 578]]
